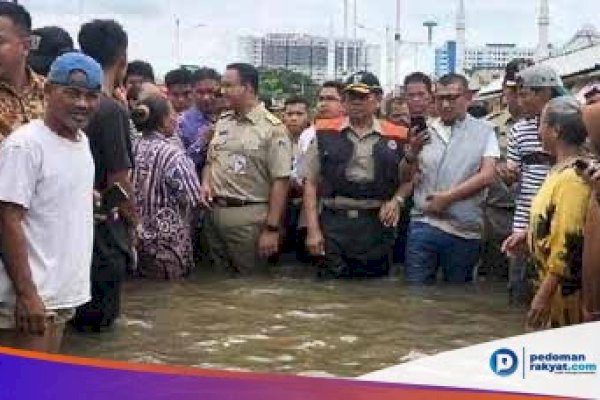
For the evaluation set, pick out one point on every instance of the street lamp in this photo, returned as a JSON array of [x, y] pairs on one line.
[[430, 25], [178, 37]]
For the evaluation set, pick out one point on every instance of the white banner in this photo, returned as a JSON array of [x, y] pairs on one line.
[[563, 362]]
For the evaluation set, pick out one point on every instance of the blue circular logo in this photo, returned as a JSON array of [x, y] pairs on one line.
[[504, 362]]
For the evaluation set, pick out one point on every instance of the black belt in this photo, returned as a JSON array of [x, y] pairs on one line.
[[353, 212], [233, 202]]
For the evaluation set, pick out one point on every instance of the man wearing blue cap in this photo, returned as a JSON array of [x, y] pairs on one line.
[[46, 210]]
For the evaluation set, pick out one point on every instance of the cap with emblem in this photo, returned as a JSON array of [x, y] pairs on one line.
[[513, 68], [363, 82], [47, 43], [64, 66]]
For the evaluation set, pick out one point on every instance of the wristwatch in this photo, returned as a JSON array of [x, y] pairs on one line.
[[271, 228], [401, 201]]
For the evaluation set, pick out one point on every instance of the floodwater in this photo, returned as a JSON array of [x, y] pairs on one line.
[[296, 324]]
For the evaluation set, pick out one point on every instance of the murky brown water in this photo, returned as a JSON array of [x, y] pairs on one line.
[[297, 325]]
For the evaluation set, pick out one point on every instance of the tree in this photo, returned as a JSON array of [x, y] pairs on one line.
[[279, 84]]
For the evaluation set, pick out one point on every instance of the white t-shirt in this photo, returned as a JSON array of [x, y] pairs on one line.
[[306, 137], [53, 179]]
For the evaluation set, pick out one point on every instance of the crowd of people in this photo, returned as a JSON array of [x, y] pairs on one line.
[[104, 174]]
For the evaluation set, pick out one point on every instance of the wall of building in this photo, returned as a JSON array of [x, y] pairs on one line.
[[488, 57]]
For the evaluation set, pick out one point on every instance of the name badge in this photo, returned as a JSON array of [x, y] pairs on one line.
[[239, 164]]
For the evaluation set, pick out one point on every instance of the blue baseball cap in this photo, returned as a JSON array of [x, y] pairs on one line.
[[62, 68]]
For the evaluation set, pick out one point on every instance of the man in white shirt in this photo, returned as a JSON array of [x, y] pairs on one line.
[[46, 210]]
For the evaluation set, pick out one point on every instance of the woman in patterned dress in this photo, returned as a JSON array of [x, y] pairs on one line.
[[167, 189], [557, 220]]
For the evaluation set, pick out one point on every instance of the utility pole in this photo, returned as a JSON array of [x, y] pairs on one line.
[[389, 56], [345, 53], [177, 41], [356, 59], [397, 41]]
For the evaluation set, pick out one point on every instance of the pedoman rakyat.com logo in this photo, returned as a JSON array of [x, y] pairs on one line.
[[504, 362]]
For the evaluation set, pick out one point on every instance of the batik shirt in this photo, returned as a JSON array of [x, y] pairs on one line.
[[17, 109], [166, 190]]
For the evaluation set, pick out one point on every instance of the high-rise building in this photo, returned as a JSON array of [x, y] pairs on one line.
[[493, 56], [445, 58], [310, 55]]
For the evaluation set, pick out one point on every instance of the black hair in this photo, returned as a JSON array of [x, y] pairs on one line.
[[451, 78], [53, 42], [179, 76], [339, 86], [478, 109], [103, 40], [133, 93], [296, 100], [205, 73], [267, 102], [150, 112], [419, 77], [565, 116], [248, 74], [19, 16], [140, 68]]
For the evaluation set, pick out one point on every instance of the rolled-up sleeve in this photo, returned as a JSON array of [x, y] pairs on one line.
[[280, 154], [312, 167]]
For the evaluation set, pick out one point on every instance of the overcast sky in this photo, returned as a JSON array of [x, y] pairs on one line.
[[151, 23]]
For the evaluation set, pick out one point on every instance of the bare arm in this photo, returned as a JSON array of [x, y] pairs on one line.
[[476, 183], [15, 249], [408, 170], [128, 207], [405, 189], [277, 201], [30, 313], [310, 204]]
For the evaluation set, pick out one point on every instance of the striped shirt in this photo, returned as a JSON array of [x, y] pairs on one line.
[[524, 139]]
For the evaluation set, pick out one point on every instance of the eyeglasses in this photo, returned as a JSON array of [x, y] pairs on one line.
[[416, 96], [451, 98]]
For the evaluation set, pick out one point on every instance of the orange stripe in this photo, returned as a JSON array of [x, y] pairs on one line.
[[329, 124], [120, 365], [394, 131]]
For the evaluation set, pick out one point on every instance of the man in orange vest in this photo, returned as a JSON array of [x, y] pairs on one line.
[[353, 166]]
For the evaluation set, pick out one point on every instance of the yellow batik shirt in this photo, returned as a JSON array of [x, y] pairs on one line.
[[557, 218]]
